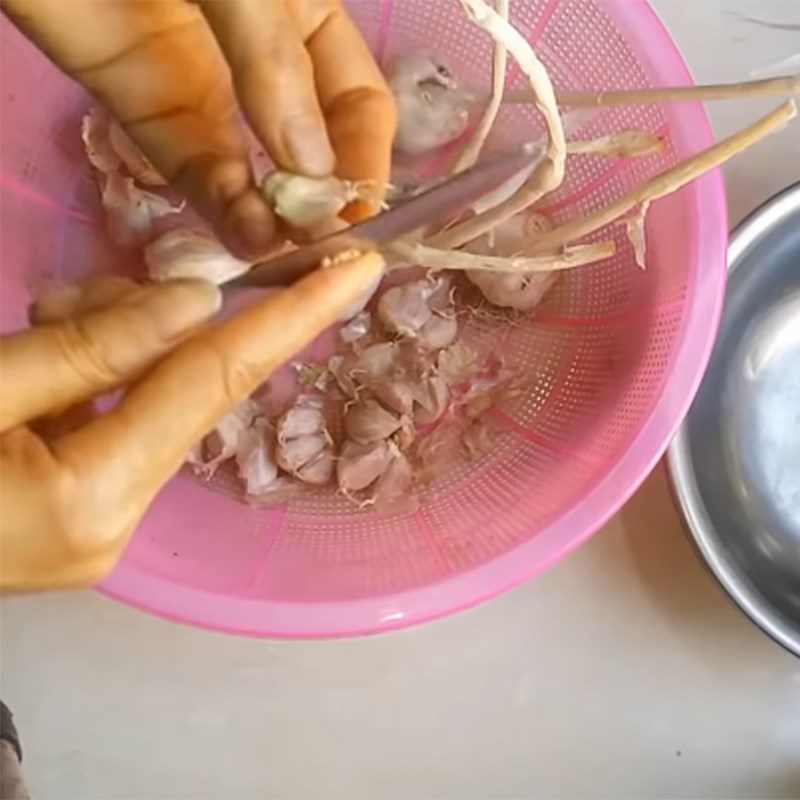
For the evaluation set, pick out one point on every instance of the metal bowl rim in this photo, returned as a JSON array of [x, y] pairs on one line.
[[681, 469]]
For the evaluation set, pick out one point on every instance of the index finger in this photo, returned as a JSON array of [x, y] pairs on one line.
[[357, 104], [133, 450]]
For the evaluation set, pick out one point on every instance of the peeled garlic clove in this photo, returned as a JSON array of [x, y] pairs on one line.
[[395, 395], [360, 465], [302, 419], [431, 400], [183, 253], [405, 309], [439, 331], [368, 421], [293, 454], [319, 470], [130, 211], [306, 202], [255, 458], [432, 109]]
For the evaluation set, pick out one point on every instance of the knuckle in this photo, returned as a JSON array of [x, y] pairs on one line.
[[83, 353]]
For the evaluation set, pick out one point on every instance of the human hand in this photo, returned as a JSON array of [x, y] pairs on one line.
[[171, 72], [75, 484]]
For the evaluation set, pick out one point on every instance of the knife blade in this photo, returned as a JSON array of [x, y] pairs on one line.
[[440, 202]]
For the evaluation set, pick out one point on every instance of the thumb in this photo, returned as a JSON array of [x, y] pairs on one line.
[[49, 368]]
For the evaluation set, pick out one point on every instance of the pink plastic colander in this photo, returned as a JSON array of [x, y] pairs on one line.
[[613, 356]]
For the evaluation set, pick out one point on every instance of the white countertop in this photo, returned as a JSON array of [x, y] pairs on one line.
[[624, 671]]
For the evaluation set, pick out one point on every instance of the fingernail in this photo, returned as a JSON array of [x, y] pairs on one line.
[[177, 306], [308, 146]]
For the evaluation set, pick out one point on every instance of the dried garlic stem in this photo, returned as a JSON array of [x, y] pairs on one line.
[[469, 155], [549, 173], [433, 258], [666, 182], [782, 86], [630, 144]]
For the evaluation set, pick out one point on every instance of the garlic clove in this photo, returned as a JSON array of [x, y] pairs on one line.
[[394, 490], [304, 418], [405, 309], [522, 291], [293, 454], [255, 458], [457, 363], [439, 331], [225, 439], [368, 421], [319, 470], [183, 253], [431, 400], [395, 395], [308, 202], [377, 361], [342, 368], [359, 465]]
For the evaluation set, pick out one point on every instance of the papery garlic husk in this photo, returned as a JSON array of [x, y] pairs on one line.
[[359, 465], [255, 458], [130, 211], [304, 418], [431, 400], [394, 490], [357, 328], [405, 309], [457, 363], [293, 454], [183, 253], [368, 421], [432, 109], [110, 149]]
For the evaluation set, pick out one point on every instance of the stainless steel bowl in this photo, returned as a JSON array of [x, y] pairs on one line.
[[735, 463]]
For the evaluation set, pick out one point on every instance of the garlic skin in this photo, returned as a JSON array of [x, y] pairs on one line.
[[305, 202], [183, 253], [110, 149], [357, 328], [131, 211], [432, 109], [439, 331], [293, 454], [368, 421], [394, 490], [360, 465], [457, 363]]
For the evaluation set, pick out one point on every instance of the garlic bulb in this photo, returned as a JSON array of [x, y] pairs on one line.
[[360, 464], [432, 109], [368, 421], [358, 327], [183, 253], [131, 211]]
